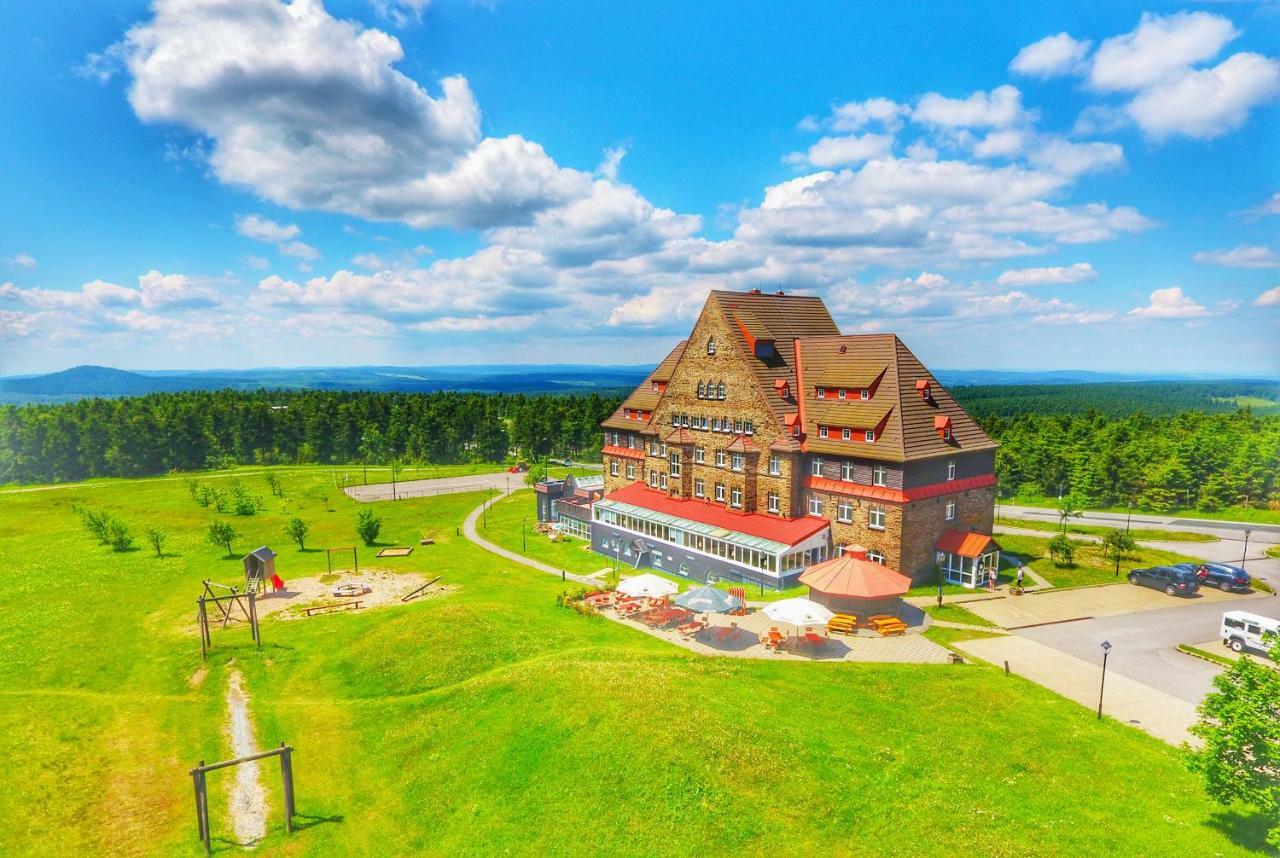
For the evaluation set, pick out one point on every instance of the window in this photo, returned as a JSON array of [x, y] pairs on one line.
[[875, 517], [748, 428], [654, 386], [615, 439], [720, 492], [653, 478], [737, 462], [715, 424], [815, 506], [876, 557], [613, 468], [737, 426], [675, 464], [842, 393], [946, 433], [720, 458], [822, 431], [720, 390], [951, 469], [864, 394], [702, 390], [815, 467], [775, 465], [822, 393], [699, 488], [878, 475], [699, 455], [684, 420], [711, 345], [631, 470], [735, 499], [844, 512], [870, 435], [951, 510], [662, 481], [846, 471], [662, 449], [846, 434], [775, 504]]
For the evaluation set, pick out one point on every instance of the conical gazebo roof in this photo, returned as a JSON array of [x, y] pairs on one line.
[[853, 575]]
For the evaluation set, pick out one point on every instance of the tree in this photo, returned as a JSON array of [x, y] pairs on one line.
[[1062, 550], [1240, 726], [1117, 543], [273, 483], [368, 526], [221, 534], [95, 521], [536, 474], [1069, 506], [297, 530], [156, 538], [118, 535]]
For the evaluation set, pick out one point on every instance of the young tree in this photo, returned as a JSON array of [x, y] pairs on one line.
[[297, 530], [221, 534], [156, 538], [536, 474], [1069, 506], [1062, 550], [368, 526], [193, 489], [273, 483], [118, 535], [1117, 543], [96, 522], [1240, 726]]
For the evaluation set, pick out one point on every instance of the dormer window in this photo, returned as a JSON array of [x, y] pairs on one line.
[[842, 393], [711, 345], [654, 385], [822, 393], [942, 425], [922, 387], [870, 435], [865, 394]]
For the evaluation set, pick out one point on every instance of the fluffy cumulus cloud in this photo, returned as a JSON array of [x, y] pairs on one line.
[[1269, 298], [996, 109], [1241, 256], [260, 228], [1170, 303], [1051, 56], [844, 151], [1159, 67], [1076, 273]]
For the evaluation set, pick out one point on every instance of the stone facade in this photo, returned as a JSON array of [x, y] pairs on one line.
[[925, 522]]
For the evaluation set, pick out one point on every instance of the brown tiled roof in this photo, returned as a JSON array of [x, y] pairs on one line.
[[855, 375], [743, 444], [679, 436], [909, 432], [784, 318], [644, 397]]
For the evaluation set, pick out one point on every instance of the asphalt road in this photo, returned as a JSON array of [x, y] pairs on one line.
[[499, 480], [1144, 644]]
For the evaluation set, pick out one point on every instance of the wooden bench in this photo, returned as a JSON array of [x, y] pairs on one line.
[[845, 624], [332, 606], [888, 625]]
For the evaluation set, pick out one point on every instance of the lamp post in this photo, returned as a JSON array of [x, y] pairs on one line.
[[1106, 650], [1244, 555], [1128, 515], [524, 545]]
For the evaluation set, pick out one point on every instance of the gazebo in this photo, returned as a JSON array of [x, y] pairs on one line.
[[852, 584]]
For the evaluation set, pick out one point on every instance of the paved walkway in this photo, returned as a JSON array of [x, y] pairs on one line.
[[1056, 606], [1162, 715], [469, 531]]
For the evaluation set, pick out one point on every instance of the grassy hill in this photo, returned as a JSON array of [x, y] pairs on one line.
[[489, 720]]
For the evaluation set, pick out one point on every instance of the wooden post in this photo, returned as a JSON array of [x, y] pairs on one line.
[[286, 775], [355, 559], [253, 620], [202, 806], [204, 630]]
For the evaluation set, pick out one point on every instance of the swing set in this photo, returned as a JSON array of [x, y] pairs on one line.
[[226, 606]]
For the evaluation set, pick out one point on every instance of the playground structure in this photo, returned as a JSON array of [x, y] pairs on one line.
[[259, 567], [284, 752], [355, 560], [418, 591], [226, 605]]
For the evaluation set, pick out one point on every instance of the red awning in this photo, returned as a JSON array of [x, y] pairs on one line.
[[966, 543], [789, 531]]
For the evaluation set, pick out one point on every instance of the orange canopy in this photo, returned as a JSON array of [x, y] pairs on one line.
[[966, 543], [850, 575]]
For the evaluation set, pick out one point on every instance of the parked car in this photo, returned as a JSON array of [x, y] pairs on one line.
[[1241, 630], [1224, 576], [1174, 581]]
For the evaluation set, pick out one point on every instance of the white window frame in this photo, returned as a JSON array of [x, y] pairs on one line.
[[775, 502], [950, 511], [662, 480], [875, 517], [815, 506], [870, 435], [822, 393], [711, 345], [846, 471], [951, 469], [736, 462], [653, 479], [699, 488], [844, 512], [864, 394], [720, 458], [735, 498], [876, 556], [879, 475], [720, 492], [815, 467], [846, 434], [613, 468], [631, 470], [822, 431], [699, 455], [775, 465], [841, 393], [675, 464]]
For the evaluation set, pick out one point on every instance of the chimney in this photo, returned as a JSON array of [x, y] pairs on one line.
[[754, 292], [779, 293], [857, 552]]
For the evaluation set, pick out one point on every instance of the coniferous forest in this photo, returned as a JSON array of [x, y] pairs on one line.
[[1204, 459]]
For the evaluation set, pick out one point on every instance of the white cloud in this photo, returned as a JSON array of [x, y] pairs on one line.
[[257, 263], [1051, 56], [14, 324], [855, 115], [1000, 144], [1269, 298], [1075, 159], [369, 261], [299, 250], [999, 108], [260, 228], [1076, 273], [844, 151], [174, 290], [1074, 317], [400, 12], [658, 306], [1170, 303], [1158, 48], [1241, 256], [23, 260], [1207, 103], [1269, 206]]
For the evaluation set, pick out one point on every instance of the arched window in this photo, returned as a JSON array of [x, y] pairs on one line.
[[711, 345], [702, 389], [720, 391]]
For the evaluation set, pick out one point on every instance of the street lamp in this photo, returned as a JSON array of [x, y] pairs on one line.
[[524, 545], [1245, 554], [1106, 650]]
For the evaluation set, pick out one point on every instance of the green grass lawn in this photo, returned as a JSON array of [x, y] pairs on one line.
[[1227, 513], [1100, 530], [956, 614], [1090, 567], [1274, 551], [488, 720]]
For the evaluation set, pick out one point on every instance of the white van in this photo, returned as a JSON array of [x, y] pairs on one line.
[[1242, 629]]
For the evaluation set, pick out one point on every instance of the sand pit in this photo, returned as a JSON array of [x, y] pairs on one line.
[[381, 587]]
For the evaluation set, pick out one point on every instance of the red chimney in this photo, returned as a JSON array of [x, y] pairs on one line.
[[779, 293], [857, 552], [754, 292]]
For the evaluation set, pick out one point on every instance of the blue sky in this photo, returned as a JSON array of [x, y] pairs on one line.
[[194, 183]]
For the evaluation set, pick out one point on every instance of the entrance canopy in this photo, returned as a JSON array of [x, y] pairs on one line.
[[964, 543], [852, 575]]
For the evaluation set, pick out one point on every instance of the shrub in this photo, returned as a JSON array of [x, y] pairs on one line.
[[156, 539], [1062, 551], [221, 534], [297, 530], [118, 535], [95, 521], [368, 526]]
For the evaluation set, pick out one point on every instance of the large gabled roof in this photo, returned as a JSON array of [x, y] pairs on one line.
[[644, 397], [906, 422]]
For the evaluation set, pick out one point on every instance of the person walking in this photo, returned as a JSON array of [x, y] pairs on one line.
[[1020, 574]]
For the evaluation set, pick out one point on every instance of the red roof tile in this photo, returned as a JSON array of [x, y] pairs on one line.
[[933, 490], [852, 576], [788, 531], [624, 452], [966, 543]]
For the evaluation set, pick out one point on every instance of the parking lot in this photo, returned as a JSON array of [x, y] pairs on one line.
[[1056, 606]]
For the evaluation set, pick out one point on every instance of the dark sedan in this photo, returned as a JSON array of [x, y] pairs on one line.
[[1171, 579], [1224, 576]]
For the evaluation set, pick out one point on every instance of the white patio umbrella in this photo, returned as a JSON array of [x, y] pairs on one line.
[[649, 585], [798, 612]]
